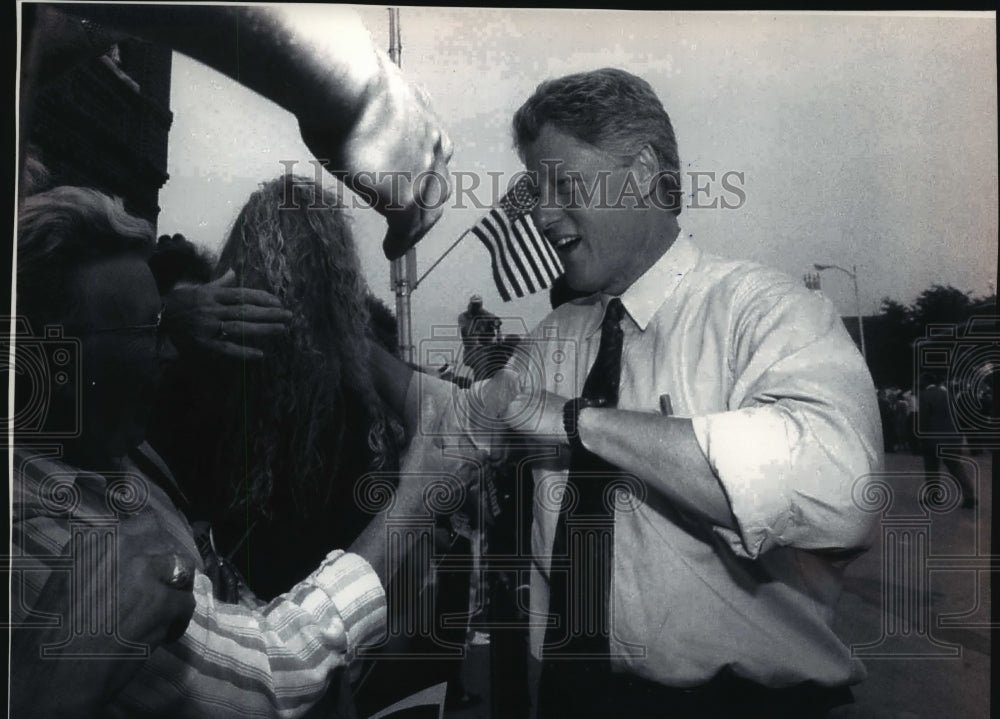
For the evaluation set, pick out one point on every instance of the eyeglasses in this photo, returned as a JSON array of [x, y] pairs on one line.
[[154, 327]]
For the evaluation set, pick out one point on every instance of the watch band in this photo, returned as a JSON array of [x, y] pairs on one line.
[[571, 419]]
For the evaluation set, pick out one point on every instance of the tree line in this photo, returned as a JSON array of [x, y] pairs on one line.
[[893, 335]]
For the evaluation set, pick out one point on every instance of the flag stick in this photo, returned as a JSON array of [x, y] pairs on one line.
[[438, 260]]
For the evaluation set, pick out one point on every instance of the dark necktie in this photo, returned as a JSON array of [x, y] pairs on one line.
[[576, 662]]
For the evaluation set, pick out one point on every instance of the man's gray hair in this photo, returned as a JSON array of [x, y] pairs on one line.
[[610, 109]]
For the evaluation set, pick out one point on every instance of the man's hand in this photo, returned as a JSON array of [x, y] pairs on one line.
[[395, 157], [223, 318], [507, 402]]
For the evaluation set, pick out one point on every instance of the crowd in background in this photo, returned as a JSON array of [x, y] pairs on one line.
[[899, 409]]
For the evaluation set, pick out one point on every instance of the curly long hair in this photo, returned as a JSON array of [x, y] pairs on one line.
[[311, 417]]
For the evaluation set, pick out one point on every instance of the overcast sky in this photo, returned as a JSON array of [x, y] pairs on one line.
[[866, 140]]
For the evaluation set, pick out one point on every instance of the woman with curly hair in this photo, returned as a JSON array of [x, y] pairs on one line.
[[275, 446]]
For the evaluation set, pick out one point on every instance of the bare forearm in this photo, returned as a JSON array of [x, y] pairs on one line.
[[317, 64], [374, 543], [660, 451], [392, 379]]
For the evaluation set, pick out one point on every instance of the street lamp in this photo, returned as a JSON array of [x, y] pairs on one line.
[[857, 299]]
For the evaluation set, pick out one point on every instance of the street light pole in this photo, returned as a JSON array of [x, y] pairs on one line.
[[861, 320], [857, 299]]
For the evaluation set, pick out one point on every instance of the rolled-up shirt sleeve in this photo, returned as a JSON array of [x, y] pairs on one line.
[[801, 432], [275, 660]]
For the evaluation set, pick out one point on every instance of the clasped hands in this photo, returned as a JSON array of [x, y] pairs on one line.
[[507, 402]]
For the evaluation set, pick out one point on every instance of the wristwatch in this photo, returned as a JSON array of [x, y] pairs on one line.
[[571, 418]]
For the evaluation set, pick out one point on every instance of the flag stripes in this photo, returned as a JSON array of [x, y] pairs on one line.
[[523, 261]]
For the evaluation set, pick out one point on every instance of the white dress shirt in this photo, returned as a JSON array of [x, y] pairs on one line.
[[785, 413]]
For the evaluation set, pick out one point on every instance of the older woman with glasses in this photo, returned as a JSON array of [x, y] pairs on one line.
[[113, 612]]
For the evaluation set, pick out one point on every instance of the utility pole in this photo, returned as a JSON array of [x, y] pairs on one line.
[[403, 271]]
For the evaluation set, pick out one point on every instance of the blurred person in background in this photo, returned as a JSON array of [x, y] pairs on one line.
[[480, 330], [940, 433]]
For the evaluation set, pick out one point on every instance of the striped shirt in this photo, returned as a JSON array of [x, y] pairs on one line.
[[235, 660]]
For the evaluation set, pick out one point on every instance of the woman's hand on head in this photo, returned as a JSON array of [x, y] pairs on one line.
[[223, 318]]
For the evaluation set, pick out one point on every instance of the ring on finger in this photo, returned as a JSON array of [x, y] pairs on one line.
[[223, 335], [182, 574]]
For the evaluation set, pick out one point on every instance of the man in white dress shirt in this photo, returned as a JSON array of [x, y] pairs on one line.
[[744, 427]]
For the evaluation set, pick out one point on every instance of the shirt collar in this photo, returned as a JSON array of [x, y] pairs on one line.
[[648, 293]]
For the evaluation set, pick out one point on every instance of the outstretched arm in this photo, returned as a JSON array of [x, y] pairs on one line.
[[355, 110]]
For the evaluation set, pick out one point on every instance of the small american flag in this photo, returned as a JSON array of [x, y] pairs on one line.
[[523, 261]]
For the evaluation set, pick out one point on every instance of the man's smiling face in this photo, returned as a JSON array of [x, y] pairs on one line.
[[579, 187]]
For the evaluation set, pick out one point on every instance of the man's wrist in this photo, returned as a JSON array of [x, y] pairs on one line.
[[571, 419]]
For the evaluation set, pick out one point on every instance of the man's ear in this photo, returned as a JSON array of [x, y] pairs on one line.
[[656, 182], [646, 169]]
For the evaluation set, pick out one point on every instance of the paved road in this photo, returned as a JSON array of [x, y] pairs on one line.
[[934, 641], [916, 607]]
